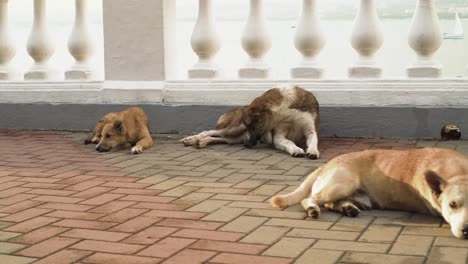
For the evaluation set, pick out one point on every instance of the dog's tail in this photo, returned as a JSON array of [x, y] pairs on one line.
[[297, 195]]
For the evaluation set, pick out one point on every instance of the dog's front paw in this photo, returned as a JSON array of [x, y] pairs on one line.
[[313, 154], [313, 212], [189, 141], [137, 149], [201, 143], [297, 152]]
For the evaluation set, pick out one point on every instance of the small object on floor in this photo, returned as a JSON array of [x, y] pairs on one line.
[[450, 132]]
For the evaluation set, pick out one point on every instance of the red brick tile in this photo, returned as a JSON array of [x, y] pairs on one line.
[[190, 256], [66, 256], [85, 224], [92, 192], [117, 178], [16, 199], [39, 235], [66, 207], [104, 258], [150, 235], [136, 224], [111, 207], [75, 215], [57, 199], [84, 185], [137, 191], [76, 179], [95, 235], [166, 247], [39, 180], [205, 234], [49, 192], [228, 247], [102, 199], [175, 214], [126, 185], [11, 184], [32, 174], [68, 174], [18, 207], [13, 191], [31, 224], [52, 186], [108, 247], [47, 247], [25, 215], [162, 206], [248, 259], [147, 198], [192, 224], [123, 215]]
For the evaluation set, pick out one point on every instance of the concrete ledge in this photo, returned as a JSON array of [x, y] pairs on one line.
[[340, 121]]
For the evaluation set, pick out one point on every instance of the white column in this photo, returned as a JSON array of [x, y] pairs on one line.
[[425, 38], [256, 43], [80, 45], [309, 41], [205, 43], [7, 48], [40, 46], [366, 39]]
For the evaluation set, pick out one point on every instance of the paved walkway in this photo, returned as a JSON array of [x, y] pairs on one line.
[[62, 202]]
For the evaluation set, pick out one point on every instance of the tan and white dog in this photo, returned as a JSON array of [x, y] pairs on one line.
[[286, 117], [429, 180], [122, 129]]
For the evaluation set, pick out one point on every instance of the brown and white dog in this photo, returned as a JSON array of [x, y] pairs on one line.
[[430, 180], [286, 117], [122, 129]]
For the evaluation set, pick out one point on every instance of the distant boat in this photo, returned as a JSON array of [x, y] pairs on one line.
[[457, 32]]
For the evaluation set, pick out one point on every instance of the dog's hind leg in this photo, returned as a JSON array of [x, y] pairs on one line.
[[218, 140], [352, 205], [333, 185]]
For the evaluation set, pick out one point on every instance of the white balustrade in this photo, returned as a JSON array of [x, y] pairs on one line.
[[256, 43], [366, 39], [309, 41], [40, 47], [7, 48], [425, 38], [205, 43], [80, 45]]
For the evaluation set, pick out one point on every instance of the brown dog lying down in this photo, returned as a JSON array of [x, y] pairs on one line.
[[430, 180], [286, 117], [122, 129]]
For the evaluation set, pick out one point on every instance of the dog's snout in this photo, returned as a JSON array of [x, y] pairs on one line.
[[465, 232], [101, 149]]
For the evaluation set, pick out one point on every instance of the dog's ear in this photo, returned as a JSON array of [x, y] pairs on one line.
[[118, 126], [435, 182]]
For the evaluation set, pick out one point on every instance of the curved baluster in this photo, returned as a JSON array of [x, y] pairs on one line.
[[7, 48], [366, 39], [40, 46], [425, 38], [256, 43], [309, 41], [205, 43], [80, 45]]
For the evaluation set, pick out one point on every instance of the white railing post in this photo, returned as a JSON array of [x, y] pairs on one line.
[[256, 43], [7, 48], [80, 45], [425, 38], [40, 46], [308, 40], [205, 43], [366, 39]]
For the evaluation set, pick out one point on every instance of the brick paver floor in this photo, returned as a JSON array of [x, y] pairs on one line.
[[63, 202]]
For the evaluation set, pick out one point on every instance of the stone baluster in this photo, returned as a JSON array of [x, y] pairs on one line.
[[308, 40], [7, 48], [80, 45], [425, 38], [205, 43], [256, 43], [40, 46], [366, 39]]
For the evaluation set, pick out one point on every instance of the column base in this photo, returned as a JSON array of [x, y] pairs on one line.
[[80, 71], [424, 71], [304, 72], [8, 74], [255, 72], [43, 72], [204, 73], [363, 71]]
